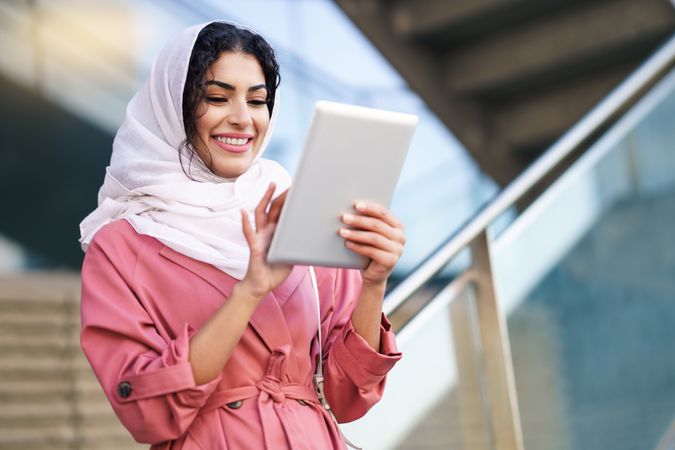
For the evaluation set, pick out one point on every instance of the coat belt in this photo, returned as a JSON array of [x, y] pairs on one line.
[[271, 389], [277, 394], [293, 391]]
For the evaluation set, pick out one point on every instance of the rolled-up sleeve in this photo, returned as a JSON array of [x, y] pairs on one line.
[[355, 374], [147, 377]]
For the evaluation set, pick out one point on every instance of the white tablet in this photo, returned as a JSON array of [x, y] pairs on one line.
[[351, 153]]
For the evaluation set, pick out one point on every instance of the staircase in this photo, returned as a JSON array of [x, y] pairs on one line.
[[508, 77], [49, 395]]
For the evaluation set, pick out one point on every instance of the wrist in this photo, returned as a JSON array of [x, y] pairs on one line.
[[247, 294], [374, 286]]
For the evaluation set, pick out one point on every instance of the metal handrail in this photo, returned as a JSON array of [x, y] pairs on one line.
[[601, 116]]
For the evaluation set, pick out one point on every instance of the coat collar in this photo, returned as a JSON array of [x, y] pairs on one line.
[[268, 319]]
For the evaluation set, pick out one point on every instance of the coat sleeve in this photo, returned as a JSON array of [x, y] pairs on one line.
[[147, 377], [354, 373]]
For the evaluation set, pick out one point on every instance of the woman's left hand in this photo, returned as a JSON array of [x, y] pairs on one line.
[[375, 233]]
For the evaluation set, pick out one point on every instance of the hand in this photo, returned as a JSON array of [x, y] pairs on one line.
[[261, 277], [375, 233]]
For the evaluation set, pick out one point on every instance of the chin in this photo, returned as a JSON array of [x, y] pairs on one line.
[[230, 172]]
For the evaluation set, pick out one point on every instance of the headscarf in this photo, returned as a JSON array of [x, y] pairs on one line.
[[145, 184]]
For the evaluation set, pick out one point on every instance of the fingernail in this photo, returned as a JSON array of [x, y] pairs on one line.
[[347, 217], [360, 206], [344, 232]]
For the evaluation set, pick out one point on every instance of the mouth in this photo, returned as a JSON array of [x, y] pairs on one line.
[[233, 144]]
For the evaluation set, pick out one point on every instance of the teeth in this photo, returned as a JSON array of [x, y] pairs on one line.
[[232, 141]]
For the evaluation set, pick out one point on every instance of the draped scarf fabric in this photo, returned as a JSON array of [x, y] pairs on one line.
[[146, 185]]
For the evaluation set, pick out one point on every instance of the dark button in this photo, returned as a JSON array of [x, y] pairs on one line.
[[124, 389], [235, 405], [302, 402]]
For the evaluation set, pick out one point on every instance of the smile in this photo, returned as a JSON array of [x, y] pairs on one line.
[[233, 144], [232, 141]]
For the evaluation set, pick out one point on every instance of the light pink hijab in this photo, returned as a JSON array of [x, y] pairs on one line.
[[145, 183]]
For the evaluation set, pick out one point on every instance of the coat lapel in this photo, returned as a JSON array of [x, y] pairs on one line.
[[268, 319]]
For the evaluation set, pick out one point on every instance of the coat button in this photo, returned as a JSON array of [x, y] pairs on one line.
[[124, 389], [235, 405]]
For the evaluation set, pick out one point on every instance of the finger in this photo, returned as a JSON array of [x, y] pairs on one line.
[[372, 239], [261, 209], [379, 211], [275, 209], [375, 225], [246, 227], [381, 257]]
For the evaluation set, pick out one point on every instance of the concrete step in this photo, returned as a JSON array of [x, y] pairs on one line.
[[29, 437], [22, 391], [59, 341], [49, 395], [53, 362], [46, 414], [36, 329], [21, 374], [58, 412], [112, 438], [74, 361], [46, 288], [40, 351], [58, 307]]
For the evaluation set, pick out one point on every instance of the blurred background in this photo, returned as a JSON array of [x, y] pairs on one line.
[[583, 262]]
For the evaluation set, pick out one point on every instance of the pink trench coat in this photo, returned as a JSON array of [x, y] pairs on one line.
[[141, 303]]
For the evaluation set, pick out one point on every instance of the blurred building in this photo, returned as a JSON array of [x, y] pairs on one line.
[[583, 262]]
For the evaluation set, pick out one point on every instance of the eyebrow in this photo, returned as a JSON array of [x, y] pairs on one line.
[[229, 87]]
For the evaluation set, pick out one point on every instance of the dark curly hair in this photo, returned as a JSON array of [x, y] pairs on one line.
[[213, 40]]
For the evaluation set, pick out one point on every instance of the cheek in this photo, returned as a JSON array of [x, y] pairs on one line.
[[205, 120], [203, 127], [262, 124]]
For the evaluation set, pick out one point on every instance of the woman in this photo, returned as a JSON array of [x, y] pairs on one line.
[[197, 341]]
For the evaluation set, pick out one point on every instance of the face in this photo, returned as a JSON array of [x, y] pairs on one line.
[[233, 117]]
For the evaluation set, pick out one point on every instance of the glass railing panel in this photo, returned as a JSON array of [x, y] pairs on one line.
[[435, 398], [587, 278]]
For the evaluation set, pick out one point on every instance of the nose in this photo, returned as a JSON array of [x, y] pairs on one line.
[[239, 115]]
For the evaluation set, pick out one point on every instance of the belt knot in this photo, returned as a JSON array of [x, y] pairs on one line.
[[272, 387]]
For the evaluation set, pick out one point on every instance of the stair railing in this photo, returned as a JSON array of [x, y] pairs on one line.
[[495, 355]]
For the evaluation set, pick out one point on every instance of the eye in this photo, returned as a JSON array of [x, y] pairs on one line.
[[257, 102], [216, 100]]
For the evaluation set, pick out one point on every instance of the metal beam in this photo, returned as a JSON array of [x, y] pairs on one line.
[[547, 113], [418, 18], [422, 71], [546, 45]]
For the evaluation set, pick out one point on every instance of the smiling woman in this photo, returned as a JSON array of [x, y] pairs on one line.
[[229, 97], [233, 116], [197, 340]]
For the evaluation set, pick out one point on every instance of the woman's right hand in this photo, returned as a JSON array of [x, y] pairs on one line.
[[261, 276], [212, 345]]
